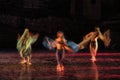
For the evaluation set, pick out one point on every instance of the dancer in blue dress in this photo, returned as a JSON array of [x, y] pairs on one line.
[[60, 44]]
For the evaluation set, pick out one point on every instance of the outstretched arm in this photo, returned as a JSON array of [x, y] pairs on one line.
[[18, 46], [68, 49], [49, 43], [66, 46], [26, 31], [107, 38], [100, 36], [34, 37], [86, 40], [31, 40], [52, 44]]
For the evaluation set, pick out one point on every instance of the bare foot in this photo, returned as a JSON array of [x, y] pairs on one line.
[[93, 59], [29, 63], [23, 62], [60, 68]]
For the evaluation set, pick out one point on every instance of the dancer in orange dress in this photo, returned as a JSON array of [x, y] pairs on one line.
[[93, 37], [93, 44]]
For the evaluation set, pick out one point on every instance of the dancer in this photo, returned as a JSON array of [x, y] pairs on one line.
[[61, 45], [93, 43], [24, 45], [93, 37]]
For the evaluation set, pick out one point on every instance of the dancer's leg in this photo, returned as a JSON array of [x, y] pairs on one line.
[[93, 53], [22, 56], [29, 60], [57, 58], [28, 53], [96, 49], [60, 57]]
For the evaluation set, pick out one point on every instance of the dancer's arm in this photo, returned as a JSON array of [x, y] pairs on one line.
[[26, 31], [107, 38], [18, 46], [68, 49], [66, 46], [65, 42], [31, 39], [34, 38], [86, 40], [100, 36], [52, 45], [88, 35]]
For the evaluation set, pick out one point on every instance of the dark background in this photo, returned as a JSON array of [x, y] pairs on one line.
[[75, 17]]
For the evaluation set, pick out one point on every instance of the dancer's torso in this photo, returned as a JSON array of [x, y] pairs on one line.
[[93, 42], [60, 43]]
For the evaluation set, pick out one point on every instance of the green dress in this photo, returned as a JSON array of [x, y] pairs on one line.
[[25, 48]]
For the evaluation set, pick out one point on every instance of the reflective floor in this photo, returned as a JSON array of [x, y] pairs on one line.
[[77, 67]]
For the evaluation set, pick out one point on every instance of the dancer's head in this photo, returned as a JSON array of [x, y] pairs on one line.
[[60, 34]]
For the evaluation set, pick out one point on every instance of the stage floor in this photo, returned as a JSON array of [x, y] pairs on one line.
[[78, 66]]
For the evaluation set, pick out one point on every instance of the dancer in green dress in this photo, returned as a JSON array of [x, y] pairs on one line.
[[24, 45]]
